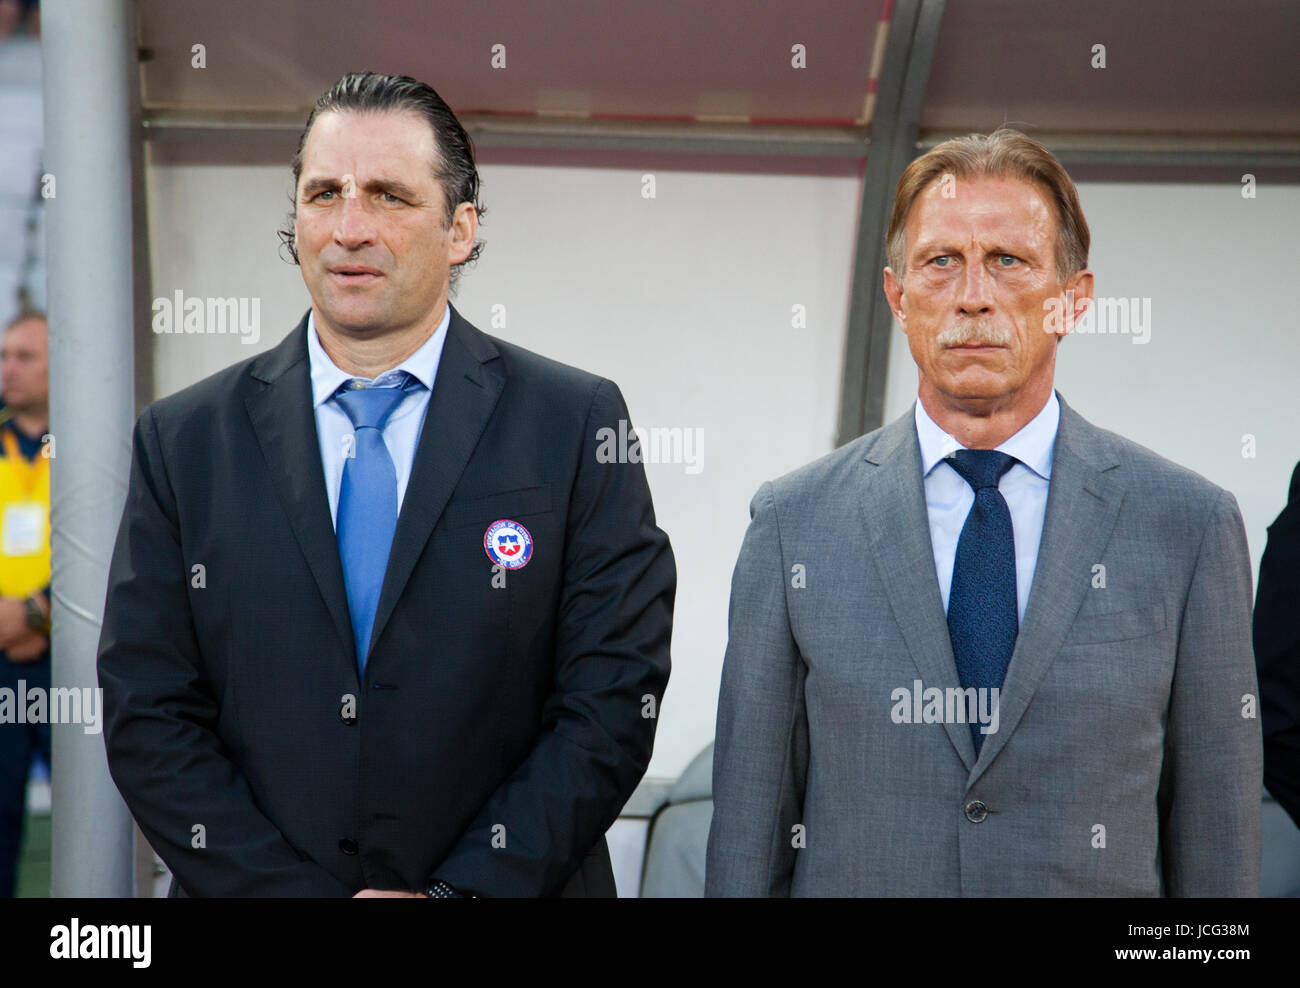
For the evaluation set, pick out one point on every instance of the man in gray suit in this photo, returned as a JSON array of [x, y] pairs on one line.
[[989, 649]]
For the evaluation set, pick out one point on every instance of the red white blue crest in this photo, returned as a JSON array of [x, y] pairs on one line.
[[508, 544]]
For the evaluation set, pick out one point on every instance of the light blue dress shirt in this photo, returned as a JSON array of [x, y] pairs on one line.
[[401, 431], [949, 498]]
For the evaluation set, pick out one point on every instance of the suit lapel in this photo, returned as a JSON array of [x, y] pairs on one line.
[[1083, 502], [468, 385], [895, 514], [284, 422]]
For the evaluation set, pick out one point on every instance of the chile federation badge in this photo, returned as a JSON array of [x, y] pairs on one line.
[[508, 544]]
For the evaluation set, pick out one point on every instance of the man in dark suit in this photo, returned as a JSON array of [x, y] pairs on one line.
[[1277, 653], [291, 707]]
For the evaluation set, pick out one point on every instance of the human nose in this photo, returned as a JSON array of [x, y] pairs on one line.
[[974, 290], [355, 226]]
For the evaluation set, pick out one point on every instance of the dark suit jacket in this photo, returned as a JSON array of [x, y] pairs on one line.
[[497, 732], [1277, 653]]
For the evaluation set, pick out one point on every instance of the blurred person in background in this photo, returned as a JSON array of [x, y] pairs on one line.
[[24, 569], [20, 17]]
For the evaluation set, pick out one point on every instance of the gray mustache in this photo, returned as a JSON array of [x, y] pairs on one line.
[[974, 333]]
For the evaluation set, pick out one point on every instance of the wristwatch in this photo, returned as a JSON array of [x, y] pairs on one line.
[[439, 889], [38, 619]]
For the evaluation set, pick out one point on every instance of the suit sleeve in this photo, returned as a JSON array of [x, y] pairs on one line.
[[760, 755], [614, 625], [1210, 788], [161, 714]]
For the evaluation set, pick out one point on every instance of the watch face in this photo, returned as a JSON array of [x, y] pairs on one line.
[[36, 619]]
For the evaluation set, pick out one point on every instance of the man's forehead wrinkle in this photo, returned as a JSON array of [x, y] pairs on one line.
[[1014, 235], [983, 223], [376, 181], [370, 164], [986, 212], [404, 134]]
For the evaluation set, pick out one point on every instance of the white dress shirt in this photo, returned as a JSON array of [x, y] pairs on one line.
[[949, 498], [401, 431]]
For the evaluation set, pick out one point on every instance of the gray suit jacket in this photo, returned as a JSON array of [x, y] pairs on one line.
[[1127, 760]]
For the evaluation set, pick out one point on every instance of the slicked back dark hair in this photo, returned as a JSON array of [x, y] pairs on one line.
[[454, 167]]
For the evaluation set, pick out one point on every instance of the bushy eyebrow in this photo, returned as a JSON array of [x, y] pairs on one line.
[[935, 248], [376, 185]]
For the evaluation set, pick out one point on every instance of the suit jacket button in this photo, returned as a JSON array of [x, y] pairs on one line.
[[976, 811], [348, 846]]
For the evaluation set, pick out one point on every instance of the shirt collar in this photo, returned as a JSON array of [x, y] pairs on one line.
[[327, 378], [1032, 445]]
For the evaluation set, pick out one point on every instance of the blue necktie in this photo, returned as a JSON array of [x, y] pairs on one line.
[[982, 619], [367, 508]]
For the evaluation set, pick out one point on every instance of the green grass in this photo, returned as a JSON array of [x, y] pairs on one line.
[[34, 858]]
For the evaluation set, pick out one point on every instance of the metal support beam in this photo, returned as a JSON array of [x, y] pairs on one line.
[[1157, 150], [547, 132], [913, 34], [90, 79], [163, 125]]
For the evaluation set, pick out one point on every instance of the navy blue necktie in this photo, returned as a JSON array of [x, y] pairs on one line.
[[982, 618], [367, 508]]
